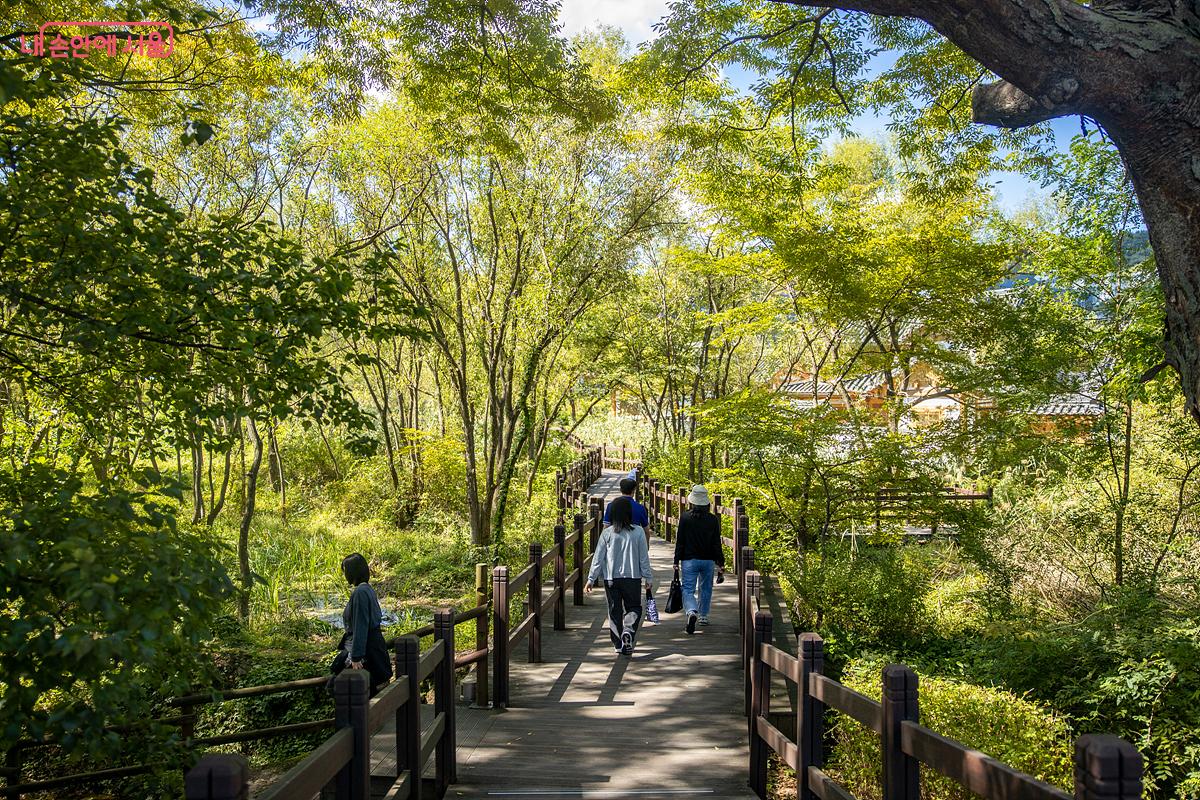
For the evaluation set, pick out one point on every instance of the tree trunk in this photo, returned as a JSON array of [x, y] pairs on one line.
[[197, 480], [247, 517], [219, 502]]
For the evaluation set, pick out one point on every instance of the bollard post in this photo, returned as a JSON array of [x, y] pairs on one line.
[[810, 713], [577, 548], [408, 716], [1107, 768], [560, 578], [443, 682], [351, 695], [535, 603], [760, 703], [901, 772], [217, 776], [481, 636], [500, 637]]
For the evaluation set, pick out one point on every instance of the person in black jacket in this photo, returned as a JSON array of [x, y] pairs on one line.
[[698, 553], [364, 643]]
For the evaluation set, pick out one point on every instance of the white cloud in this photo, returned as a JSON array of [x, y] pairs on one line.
[[634, 17]]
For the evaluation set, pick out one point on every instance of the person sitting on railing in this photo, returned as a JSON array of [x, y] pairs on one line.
[[363, 642], [698, 552], [640, 515], [622, 561]]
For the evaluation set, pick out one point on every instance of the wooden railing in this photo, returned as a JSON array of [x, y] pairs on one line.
[[914, 505], [618, 456], [542, 598], [341, 766], [1106, 768]]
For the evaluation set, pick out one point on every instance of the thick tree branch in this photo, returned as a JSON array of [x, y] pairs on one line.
[[1005, 106]]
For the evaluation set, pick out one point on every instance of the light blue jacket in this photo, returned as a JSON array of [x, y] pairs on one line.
[[621, 555]]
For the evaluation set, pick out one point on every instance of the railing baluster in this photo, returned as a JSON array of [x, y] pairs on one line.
[[579, 521], [535, 603], [1107, 768], [810, 713], [481, 636], [500, 637], [351, 694], [750, 591], [760, 703], [447, 768], [408, 716], [218, 776], [901, 772], [668, 532], [560, 578]]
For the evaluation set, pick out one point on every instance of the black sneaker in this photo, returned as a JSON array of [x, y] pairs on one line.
[[691, 623]]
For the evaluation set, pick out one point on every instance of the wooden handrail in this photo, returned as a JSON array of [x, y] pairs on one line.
[[978, 772], [310, 776], [429, 660]]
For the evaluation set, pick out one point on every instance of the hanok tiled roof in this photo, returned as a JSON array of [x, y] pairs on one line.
[[1070, 405], [860, 385]]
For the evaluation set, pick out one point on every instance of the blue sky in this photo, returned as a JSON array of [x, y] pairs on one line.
[[635, 18]]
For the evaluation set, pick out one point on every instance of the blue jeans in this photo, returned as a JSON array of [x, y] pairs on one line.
[[692, 571]]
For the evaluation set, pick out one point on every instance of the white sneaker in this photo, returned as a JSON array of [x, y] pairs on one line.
[[703, 619]]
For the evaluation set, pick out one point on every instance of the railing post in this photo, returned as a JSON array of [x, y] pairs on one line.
[[1107, 768], [447, 765], [216, 776], [351, 694], [560, 487], [535, 603], [760, 703], [901, 772], [408, 716], [753, 582], [740, 538], [667, 529], [577, 548], [746, 564], [481, 636], [810, 713], [622, 456], [500, 637], [560, 578], [597, 508]]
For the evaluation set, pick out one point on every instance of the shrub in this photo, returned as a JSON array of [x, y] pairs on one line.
[[868, 595], [1006, 726]]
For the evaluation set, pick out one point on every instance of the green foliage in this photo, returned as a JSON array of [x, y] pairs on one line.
[[261, 667], [107, 606], [1006, 726]]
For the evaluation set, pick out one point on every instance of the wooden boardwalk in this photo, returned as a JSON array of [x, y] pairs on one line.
[[586, 722]]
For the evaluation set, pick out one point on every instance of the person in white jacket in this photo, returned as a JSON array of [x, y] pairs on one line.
[[622, 561]]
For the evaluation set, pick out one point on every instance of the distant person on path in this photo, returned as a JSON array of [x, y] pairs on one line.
[[364, 644], [641, 517], [622, 561], [698, 552]]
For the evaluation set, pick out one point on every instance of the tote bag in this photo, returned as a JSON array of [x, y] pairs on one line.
[[651, 607], [675, 596]]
